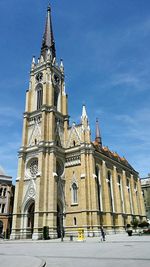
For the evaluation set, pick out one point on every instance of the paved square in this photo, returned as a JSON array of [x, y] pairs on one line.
[[117, 250]]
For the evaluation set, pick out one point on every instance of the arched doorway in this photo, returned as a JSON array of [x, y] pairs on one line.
[[1, 227], [30, 217]]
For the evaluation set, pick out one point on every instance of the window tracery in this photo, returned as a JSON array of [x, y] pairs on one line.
[[74, 193], [39, 97], [33, 167]]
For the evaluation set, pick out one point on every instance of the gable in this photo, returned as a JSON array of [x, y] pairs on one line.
[[74, 137]]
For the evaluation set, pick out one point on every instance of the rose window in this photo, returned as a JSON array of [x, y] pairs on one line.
[[33, 168]]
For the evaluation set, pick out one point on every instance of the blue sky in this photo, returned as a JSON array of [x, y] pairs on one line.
[[105, 45]]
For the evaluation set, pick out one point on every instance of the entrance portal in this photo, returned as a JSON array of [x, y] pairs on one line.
[[30, 217], [1, 227]]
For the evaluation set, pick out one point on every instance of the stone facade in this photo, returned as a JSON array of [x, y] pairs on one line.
[[6, 203], [65, 181], [145, 184]]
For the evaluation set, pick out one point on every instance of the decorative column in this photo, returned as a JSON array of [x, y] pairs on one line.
[[93, 193], [134, 197], [52, 196], [107, 218], [141, 200], [84, 187], [126, 197], [117, 201], [38, 198]]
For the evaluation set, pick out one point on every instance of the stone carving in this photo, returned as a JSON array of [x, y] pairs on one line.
[[74, 180], [31, 169], [34, 167], [74, 136], [72, 161], [30, 192], [35, 136]]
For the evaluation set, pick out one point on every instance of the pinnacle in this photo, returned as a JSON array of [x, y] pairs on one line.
[[98, 136]]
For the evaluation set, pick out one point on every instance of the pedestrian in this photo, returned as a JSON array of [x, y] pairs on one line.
[[2, 235], [102, 234]]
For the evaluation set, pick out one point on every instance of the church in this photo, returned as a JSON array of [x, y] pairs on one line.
[[65, 180]]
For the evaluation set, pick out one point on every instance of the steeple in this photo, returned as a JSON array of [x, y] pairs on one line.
[[98, 138], [48, 37], [84, 114]]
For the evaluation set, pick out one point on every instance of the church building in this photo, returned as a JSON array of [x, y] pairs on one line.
[[6, 203], [65, 180]]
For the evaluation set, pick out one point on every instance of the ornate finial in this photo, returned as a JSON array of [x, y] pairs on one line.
[[33, 63], [61, 63], [84, 118], [49, 8], [33, 60]]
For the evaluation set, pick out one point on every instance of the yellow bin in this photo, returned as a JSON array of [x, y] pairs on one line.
[[80, 234]]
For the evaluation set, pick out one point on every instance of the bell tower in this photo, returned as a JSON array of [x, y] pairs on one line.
[[41, 156]]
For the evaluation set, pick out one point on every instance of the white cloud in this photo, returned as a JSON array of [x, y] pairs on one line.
[[132, 137], [126, 79]]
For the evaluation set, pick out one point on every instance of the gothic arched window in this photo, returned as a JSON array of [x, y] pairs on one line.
[[129, 194], [4, 192], [55, 98], [75, 221], [32, 167], [99, 187], [3, 208], [121, 193], [74, 193], [1, 190], [39, 97]]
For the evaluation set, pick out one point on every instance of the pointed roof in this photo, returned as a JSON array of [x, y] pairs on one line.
[[48, 42], [84, 114], [98, 138]]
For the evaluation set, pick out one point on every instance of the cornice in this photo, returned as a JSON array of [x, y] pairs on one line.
[[115, 162], [47, 65], [45, 147], [45, 108]]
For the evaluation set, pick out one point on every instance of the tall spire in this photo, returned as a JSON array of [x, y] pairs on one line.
[[84, 114], [48, 37], [98, 138]]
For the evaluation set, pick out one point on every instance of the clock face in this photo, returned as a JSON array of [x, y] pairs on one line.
[[39, 77]]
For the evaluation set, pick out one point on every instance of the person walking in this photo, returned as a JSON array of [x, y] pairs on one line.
[[102, 234]]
